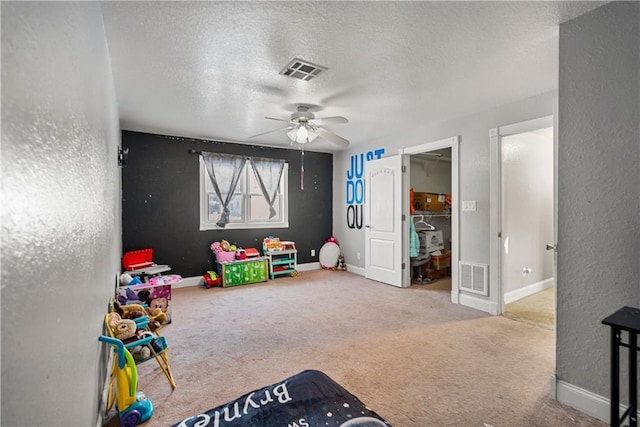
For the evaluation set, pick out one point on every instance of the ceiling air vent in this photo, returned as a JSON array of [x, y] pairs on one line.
[[302, 70]]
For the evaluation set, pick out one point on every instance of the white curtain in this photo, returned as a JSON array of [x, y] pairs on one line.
[[225, 171], [268, 173]]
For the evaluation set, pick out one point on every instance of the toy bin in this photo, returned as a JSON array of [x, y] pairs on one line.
[[224, 256], [155, 294]]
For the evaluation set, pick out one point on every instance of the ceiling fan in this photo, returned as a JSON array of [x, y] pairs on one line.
[[304, 127]]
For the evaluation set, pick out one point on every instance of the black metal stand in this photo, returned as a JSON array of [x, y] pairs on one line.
[[626, 319]]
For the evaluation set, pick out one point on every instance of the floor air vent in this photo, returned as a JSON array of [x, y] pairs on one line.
[[301, 69], [474, 278]]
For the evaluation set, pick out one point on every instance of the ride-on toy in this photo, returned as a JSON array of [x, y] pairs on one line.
[[133, 407]]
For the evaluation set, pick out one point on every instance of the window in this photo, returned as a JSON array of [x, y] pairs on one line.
[[248, 207]]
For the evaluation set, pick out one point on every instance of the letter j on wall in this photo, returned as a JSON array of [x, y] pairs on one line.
[[355, 186]]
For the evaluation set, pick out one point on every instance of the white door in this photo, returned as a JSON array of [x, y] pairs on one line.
[[383, 220]]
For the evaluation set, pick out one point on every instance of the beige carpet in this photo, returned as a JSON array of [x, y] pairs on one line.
[[409, 354], [536, 309], [440, 285]]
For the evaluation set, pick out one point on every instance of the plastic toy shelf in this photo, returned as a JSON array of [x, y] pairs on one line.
[[282, 262], [152, 340]]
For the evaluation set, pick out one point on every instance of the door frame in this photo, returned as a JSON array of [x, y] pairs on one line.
[[496, 288], [452, 143]]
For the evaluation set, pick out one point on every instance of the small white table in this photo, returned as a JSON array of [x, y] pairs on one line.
[[146, 272]]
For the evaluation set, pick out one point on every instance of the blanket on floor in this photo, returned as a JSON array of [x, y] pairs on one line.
[[308, 399]]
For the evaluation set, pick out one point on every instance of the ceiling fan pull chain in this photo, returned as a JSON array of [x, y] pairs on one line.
[[302, 168]]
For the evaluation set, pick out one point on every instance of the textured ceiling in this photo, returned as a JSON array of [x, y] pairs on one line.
[[211, 69]]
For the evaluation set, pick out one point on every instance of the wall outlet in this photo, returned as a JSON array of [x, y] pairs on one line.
[[313, 252], [358, 255]]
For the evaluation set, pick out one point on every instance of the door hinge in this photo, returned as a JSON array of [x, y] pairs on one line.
[[404, 169], [404, 217], [404, 266]]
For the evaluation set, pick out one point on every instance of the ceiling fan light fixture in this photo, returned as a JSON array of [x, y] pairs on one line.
[[302, 134]]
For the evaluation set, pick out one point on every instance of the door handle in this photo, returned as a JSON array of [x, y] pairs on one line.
[[552, 247], [367, 226]]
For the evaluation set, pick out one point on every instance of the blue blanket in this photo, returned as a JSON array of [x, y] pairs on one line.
[[308, 399]]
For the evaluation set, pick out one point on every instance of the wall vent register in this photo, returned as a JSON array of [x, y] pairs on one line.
[[474, 278], [302, 70]]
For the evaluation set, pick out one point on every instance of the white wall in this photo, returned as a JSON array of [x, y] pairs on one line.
[[61, 211], [598, 187], [474, 173], [527, 196], [431, 176]]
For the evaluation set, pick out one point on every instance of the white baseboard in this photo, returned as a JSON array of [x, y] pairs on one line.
[[308, 266], [355, 270], [531, 289], [199, 280], [478, 303], [583, 400], [189, 281]]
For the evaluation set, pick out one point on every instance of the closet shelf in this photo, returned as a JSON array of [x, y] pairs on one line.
[[431, 214]]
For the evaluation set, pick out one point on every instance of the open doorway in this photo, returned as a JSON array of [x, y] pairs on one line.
[[527, 228], [430, 207], [432, 213], [527, 225]]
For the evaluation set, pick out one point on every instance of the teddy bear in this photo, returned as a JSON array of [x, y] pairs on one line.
[[122, 329], [157, 317], [140, 352], [129, 311]]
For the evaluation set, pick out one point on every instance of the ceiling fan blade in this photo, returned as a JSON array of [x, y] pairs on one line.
[[331, 120], [332, 137], [280, 120], [270, 131]]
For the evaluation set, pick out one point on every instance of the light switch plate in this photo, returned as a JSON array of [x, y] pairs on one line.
[[469, 205]]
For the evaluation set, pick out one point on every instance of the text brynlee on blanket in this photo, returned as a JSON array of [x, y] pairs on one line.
[[307, 399], [279, 391]]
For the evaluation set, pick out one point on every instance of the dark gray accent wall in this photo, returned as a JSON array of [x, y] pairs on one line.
[[160, 201]]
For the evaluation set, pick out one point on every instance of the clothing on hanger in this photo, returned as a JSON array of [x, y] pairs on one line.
[[414, 241]]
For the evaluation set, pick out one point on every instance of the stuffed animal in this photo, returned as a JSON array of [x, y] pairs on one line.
[[129, 311], [142, 334], [157, 317], [127, 280], [113, 319], [122, 329], [140, 352]]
